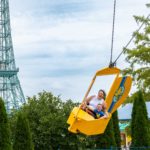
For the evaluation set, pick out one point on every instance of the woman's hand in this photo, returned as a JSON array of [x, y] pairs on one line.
[[83, 105]]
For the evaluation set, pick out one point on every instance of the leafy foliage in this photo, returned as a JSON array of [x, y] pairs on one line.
[[116, 128], [48, 115], [106, 140], [139, 124], [133, 123], [131, 98], [5, 143], [23, 138], [138, 57]]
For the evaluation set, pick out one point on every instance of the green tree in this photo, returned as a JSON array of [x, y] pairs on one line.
[[133, 123], [5, 143], [131, 98], [23, 138], [138, 57], [139, 123], [116, 129], [107, 139], [48, 116], [12, 121]]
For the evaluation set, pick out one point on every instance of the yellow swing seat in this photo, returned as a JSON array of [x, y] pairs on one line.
[[81, 121], [86, 123]]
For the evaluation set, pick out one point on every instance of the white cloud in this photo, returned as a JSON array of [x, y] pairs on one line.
[[60, 50]]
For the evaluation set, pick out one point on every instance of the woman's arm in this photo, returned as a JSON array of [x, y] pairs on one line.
[[105, 110], [86, 102], [104, 106], [89, 99]]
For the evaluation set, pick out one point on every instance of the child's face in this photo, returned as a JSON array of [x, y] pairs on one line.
[[99, 107]]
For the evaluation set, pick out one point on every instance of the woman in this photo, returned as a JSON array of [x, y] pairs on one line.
[[92, 102]]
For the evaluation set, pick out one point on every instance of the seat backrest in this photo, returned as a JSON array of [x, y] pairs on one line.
[[118, 93]]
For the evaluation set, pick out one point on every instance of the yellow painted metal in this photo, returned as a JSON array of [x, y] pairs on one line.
[[85, 123], [75, 117], [114, 88], [80, 121], [108, 71]]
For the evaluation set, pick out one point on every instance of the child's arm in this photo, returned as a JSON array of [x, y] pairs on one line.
[[105, 115]]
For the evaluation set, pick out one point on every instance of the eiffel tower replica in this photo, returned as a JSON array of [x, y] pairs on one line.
[[10, 89]]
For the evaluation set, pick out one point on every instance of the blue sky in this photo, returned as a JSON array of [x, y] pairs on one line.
[[59, 45]]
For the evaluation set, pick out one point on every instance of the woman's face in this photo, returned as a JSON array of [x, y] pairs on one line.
[[100, 94]]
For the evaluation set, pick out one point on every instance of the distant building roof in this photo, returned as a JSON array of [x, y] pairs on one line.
[[124, 112]]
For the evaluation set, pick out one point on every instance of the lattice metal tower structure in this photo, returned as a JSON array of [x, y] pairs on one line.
[[10, 89]]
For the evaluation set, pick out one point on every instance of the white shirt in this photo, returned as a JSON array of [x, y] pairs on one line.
[[95, 101]]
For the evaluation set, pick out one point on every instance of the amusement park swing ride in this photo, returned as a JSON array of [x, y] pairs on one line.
[[82, 122]]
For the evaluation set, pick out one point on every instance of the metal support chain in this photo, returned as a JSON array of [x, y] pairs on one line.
[[111, 64], [133, 36]]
